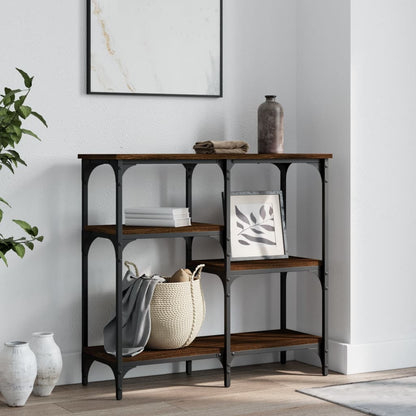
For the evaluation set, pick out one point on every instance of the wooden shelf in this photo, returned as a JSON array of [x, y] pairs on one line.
[[211, 346], [216, 266], [194, 229], [194, 156], [259, 340]]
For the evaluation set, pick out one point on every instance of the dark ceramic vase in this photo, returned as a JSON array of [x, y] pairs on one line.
[[270, 126]]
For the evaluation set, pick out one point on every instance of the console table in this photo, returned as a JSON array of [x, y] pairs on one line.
[[226, 345]]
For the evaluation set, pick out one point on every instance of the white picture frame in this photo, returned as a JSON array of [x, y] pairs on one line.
[[257, 225]]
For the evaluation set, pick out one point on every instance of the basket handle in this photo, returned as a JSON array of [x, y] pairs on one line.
[[197, 271], [130, 263]]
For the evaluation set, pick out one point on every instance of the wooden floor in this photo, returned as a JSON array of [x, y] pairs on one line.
[[261, 390]]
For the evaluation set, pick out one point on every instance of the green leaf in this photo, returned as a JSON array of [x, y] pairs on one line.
[[8, 165], [30, 133], [3, 258], [26, 77], [40, 238], [34, 231], [5, 202], [8, 99], [8, 91], [24, 225], [37, 115], [20, 102], [19, 249], [29, 245], [24, 111], [17, 131], [16, 157]]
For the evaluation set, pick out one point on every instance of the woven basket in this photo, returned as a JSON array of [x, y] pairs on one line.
[[177, 311]]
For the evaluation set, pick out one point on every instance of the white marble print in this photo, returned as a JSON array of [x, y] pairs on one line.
[[155, 46]]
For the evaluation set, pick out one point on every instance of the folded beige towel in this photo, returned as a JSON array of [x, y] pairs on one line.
[[227, 146], [181, 275]]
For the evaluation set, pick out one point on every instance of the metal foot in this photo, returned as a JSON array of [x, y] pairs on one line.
[[119, 387], [119, 394], [189, 367], [118, 378], [86, 365], [323, 355], [227, 376], [282, 357]]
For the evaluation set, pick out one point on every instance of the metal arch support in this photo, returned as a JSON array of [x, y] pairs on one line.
[[315, 164], [189, 170], [226, 166], [283, 168], [87, 243]]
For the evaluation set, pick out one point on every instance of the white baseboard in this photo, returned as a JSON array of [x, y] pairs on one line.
[[361, 358], [337, 356], [71, 372]]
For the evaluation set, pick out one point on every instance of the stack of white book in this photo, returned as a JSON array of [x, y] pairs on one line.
[[157, 216]]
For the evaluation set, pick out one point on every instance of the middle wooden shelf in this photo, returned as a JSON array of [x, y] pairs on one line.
[[197, 229]]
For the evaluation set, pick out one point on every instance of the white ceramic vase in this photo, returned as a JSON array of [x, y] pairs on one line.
[[17, 372], [49, 360]]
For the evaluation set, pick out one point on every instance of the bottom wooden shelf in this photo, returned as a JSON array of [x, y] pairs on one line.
[[212, 346]]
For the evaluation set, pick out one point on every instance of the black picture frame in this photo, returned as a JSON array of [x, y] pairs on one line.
[[89, 89]]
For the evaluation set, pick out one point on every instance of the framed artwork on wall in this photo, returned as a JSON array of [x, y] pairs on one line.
[[154, 47], [257, 226]]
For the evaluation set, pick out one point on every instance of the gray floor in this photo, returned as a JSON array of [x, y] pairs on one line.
[[262, 390]]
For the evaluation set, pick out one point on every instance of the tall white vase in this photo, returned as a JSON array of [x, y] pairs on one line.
[[49, 359], [17, 372]]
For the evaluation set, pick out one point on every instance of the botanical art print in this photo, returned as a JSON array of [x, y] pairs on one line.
[[257, 225]]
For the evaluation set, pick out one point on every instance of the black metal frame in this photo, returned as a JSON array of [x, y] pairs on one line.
[[88, 62], [119, 241]]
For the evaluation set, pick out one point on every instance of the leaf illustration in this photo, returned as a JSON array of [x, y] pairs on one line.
[[241, 216], [239, 225], [267, 227], [244, 243], [253, 218], [257, 231], [271, 210], [262, 212], [259, 240]]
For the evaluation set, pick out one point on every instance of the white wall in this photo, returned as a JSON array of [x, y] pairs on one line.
[[355, 98], [43, 291], [323, 126], [303, 51], [383, 221]]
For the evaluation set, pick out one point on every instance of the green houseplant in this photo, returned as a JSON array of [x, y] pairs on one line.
[[13, 111]]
